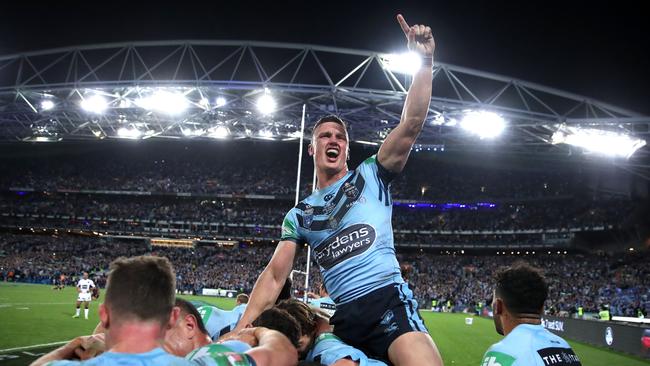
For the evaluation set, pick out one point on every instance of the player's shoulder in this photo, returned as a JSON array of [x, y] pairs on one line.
[[227, 353], [555, 339], [369, 162], [500, 354], [517, 348], [207, 311], [300, 207], [327, 338], [372, 159]]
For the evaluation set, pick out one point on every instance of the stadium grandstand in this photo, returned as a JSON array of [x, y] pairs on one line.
[[193, 150]]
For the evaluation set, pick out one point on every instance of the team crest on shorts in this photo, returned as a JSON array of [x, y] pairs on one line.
[[350, 190]]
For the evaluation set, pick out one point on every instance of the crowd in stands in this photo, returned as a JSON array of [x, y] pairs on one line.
[[114, 212], [590, 281], [32, 195], [512, 199], [266, 170]]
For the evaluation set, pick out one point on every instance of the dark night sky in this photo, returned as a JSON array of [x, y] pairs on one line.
[[598, 50]]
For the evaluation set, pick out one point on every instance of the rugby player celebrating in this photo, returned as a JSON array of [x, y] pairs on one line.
[[347, 223]]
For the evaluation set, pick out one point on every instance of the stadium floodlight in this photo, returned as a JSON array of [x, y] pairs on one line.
[[220, 102], [95, 104], [125, 103], [204, 103], [99, 134], [404, 63], [295, 134], [266, 104], [219, 132], [266, 134], [484, 124], [165, 102], [438, 120], [129, 133], [47, 104], [597, 141], [190, 132]]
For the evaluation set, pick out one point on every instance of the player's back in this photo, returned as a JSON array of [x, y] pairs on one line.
[[531, 345], [329, 349], [237, 312], [218, 321], [225, 353], [156, 357]]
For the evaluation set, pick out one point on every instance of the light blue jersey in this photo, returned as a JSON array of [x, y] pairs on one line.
[[328, 349], [530, 345], [155, 357], [219, 322], [229, 353], [324, 304], [237, 312], [348, 226]]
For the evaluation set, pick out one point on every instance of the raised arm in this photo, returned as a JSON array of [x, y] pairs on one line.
[[269, 283], [395, 150]]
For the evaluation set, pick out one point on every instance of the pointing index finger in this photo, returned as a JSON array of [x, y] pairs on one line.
[[403, 24]]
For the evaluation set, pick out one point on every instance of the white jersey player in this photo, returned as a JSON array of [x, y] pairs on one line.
[[84, 288]]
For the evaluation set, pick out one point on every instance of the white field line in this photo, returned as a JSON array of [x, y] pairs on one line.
[[32, 346], [71, 303]]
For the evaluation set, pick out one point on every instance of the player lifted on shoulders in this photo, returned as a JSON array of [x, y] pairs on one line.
[[347, 223], [84, 288]]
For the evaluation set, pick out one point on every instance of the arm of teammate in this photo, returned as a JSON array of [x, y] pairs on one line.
[[81, 347], [99, 329], [395, 150], [274, 349], [269, 283]]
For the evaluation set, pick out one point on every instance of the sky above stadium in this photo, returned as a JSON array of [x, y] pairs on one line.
[[595, 49]]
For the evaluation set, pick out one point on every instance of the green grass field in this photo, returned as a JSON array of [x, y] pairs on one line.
[[33, 315]]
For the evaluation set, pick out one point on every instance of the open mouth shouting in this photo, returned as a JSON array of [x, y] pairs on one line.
[[332, 154]]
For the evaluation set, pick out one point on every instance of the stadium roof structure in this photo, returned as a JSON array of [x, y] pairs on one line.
[[212, 89]]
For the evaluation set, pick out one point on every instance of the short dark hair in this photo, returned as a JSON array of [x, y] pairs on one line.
[[187, 308], [242, 298], [141, 288], [522, 288], [305, 316], [329, 118], [282, 321]]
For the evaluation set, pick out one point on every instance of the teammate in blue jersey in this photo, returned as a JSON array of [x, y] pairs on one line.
[[329, 349], [137, 311], [347, 223], [219, 322], [188, 338], [317, 342], [518, 305], [322, 301]]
